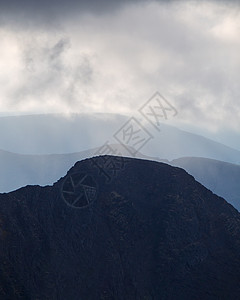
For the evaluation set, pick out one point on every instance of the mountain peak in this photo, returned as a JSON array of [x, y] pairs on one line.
[[119, 228]]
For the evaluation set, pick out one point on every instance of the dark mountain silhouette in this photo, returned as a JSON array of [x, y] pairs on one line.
[[220, 177], [119, 228]]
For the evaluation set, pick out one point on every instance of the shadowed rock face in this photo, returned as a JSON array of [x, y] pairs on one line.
[[220, 177], [141, 230]]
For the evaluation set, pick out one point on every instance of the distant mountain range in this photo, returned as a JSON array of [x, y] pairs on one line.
[[58, 134], [119, 228], [20, 170]]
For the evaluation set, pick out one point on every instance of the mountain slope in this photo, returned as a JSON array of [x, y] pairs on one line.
[[220, 177], [119, 229]]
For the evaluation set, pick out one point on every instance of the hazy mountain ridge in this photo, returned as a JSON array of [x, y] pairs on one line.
[[152, 232], [59, 133], [20, 170], [51, 134]]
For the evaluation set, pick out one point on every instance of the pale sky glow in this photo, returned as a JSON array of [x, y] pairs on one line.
[[114, 61]]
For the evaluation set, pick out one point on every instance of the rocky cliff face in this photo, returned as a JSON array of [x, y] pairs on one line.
[[117, 228]]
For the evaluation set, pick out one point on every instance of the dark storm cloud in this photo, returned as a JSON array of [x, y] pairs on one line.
[[51, 13], [45, 13], [68, 5], [62, 6]]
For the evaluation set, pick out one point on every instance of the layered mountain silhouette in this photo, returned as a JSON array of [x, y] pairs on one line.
[[18, 170], [59, 134], [119, 228]]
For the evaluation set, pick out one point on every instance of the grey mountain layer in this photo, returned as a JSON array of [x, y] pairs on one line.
[[59, 134]]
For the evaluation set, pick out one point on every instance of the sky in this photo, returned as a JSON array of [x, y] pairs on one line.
[[112, 56]]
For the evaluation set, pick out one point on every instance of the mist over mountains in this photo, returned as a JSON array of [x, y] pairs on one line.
[[79, 136], [59, 134], [119, 150]]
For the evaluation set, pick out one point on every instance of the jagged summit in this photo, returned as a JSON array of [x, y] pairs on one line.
[[119, 228]]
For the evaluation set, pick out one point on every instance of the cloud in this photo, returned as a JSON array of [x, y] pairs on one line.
[[113, 61]]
